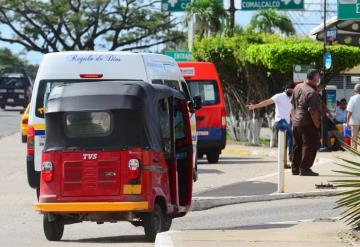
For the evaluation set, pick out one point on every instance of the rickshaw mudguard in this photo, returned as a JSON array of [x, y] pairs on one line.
[[83, 207]]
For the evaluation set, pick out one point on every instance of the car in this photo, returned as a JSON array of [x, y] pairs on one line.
[[15, 89], [24, 124], [204, 81]]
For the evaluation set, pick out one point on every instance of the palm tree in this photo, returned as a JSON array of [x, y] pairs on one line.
[[210, 16], [268, 21]]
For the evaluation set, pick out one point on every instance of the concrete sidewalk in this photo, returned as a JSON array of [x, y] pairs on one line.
[[309, 234], [224, 186]]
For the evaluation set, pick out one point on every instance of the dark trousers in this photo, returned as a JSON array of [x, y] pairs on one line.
[[306, 143]]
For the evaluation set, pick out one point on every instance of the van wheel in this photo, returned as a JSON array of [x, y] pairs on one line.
[[200, 155], [54, 229], [213, 157], [23, 138], [154, 223], [2, 107], [167, 225]]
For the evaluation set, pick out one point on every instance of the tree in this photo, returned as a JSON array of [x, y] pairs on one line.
[[12, 61], [58, 25], [268, 20], [210, 16]]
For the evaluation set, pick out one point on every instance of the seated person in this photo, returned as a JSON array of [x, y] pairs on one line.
[[340, 113]]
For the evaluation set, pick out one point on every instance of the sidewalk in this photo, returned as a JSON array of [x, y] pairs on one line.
[[283, 234], [228, 185]]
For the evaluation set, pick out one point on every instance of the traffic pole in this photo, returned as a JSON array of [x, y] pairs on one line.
[[281, 161]]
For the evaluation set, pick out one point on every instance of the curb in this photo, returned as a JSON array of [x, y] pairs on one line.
[[204, 203]]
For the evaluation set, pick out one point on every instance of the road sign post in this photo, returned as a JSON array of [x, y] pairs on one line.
[[272, 4], [348, 9]]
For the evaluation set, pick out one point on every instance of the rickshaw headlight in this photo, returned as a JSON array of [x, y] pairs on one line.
[[47, 171], [134, 168]]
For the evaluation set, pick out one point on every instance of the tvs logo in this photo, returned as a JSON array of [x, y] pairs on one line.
[[89, 156]]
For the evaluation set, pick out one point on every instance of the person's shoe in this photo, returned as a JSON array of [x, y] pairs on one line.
[[295, 172], [309, 173], [287, 166]]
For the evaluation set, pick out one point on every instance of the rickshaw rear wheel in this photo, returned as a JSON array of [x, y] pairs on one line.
[[167, 225], [54, 229], [154, 223]]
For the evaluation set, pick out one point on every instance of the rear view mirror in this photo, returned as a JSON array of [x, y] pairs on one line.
[[197, 102]]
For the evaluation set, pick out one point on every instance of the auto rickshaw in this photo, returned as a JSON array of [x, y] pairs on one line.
[[115, 152]]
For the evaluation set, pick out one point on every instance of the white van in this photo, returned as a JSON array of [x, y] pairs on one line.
[[84, 66]]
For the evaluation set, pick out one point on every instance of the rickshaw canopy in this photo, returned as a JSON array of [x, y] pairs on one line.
[[105, 115]]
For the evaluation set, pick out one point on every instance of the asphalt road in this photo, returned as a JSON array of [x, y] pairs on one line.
[[21, 226], [9, 121]]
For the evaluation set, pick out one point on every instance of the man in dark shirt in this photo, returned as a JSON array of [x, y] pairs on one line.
[[306, 123]]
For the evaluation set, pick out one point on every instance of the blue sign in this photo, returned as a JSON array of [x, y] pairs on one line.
[[328, 60]]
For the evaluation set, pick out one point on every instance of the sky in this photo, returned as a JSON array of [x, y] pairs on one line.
[[304, 22]]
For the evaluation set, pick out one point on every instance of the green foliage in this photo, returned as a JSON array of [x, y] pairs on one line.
[[282, 55], [269, 21], [210, 16], [254, 66], [10, 60], [48, 26], [350, 202]]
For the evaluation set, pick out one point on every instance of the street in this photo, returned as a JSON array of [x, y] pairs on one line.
[[22, 226], [10, 120]]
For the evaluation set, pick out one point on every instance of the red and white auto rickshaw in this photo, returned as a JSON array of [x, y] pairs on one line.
[[120, 151]]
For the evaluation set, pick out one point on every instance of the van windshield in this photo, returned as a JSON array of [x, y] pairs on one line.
[[45, 88], [13, 82], [208, 90]]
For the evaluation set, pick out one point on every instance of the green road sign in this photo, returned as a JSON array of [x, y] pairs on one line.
[[272, 4], [179, 56], [174, 5], [348, 9]]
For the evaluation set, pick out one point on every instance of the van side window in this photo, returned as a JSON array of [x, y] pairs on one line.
[[173, 84], [186, 90], [165, 124], [179, 123], [157, 82]]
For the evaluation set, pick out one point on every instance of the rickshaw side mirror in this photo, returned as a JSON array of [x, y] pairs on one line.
[[197, 102]]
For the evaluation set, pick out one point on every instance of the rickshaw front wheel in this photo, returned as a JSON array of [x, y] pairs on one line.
[[53, 229], [154, 223]]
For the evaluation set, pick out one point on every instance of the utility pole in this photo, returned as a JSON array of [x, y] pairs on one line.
[[232, 11]]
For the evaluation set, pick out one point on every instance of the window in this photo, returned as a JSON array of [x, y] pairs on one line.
[[208, 90], [173, 84], [87, 124], [157, 82], [14, 82], [44, 91], [186, 90], [179, 123], [165, 124]]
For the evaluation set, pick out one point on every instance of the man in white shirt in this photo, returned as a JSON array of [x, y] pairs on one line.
[[283, 108], [353, 116]]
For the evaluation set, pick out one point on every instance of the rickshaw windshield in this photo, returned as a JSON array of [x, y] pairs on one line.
[[115, 129]]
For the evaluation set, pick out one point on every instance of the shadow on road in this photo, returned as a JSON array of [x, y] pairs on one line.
[[210, 171], [115, 239]]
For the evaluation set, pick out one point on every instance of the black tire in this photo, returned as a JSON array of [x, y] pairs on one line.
[[53, 230], [167, 225], [154, 223], [2, 107], [200, 155], [38, 193], [213, 157], [23, 138]]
